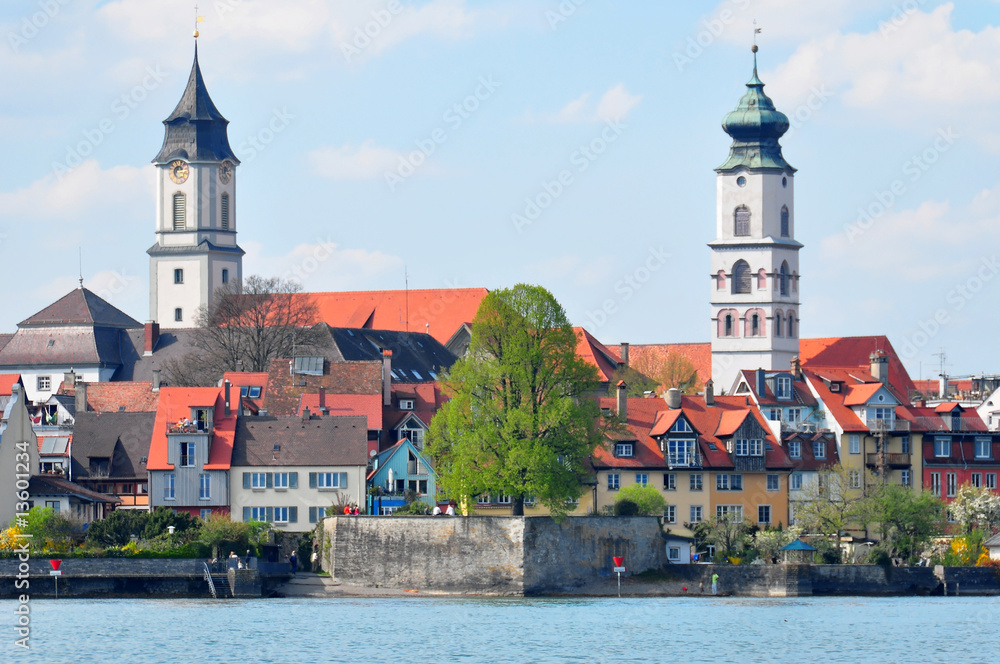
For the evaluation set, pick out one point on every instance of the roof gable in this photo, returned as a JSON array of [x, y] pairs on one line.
[[80, 307]]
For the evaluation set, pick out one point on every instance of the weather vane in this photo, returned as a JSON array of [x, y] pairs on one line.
[[197, 20], [756, 31]]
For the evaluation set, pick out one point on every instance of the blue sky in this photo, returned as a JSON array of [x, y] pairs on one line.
[[605, 115]]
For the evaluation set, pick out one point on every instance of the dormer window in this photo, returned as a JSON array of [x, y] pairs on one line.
[[819, 449], [795, 449], [406, 404], [414, 432], [624, 449], [681, 426], [783, 387]]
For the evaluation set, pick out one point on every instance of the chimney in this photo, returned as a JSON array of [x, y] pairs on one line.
[[322, 398], [761, 386], [386, 377], [709, 393], [239, 366], [797, 368], [879, 366], [622, 404], [306, 414], [624, 347], [673, 398], [152, 336], [156, 380], [81, 398], [942, 386], [69, 380], [226, 391]]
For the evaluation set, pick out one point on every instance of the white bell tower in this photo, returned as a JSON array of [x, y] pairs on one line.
[[195, 250], [755, 258]]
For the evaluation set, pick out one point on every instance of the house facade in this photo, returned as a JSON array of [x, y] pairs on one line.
[[399, 471], [957, 449]]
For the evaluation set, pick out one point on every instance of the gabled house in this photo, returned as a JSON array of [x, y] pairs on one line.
[[289, 470], [191, 450], [957, 449], [110, 455], [410, 411], [603, 358], [400, 469], [70, 499]]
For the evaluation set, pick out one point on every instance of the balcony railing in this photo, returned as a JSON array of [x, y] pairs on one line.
[[887, 426], [188, 427], [893, 460]]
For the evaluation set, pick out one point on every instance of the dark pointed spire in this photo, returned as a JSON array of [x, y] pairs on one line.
[[755, 126], [196, 130]]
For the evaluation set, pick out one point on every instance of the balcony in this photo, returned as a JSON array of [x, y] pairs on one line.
[[188, 427], [888, 426], [892, 460]]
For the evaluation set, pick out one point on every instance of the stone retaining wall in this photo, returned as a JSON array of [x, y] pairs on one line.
[[107, 577]]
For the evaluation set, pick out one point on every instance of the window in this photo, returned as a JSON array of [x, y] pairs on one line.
[[696, 514], [258, 480], [204, 486], [741, 277], [641, 479], [680, 452], [143, 488], [258, 514], [783, 279], [54, 504], [187, 455], [178, 315], [795, 481], [756, 447], [725, 482], [784, 221], [670, 514], [779, 322], [205, 513], [44, 382], [415, 433], [983, 448], [773, 482], [722, 482], [736, 482], [682, 426], [168, 486], [674, 552], [225, 212], [281, 480], [741, 221], [783, 387], [819, 449], [791, 326], [904, 477], [774, 414], [794, 415], [281, 514], [180, 211], [327, 481], [614, 481], [942, 447], [936, 484], [952, 487], [729, 325], [795, 449], [225, 275], [855, 443], [406, 404], [763, 514], [624, 449], [755, 325], [670, 481], [741, 446], [904, 442], [695, 481], [316, 514], [991, 481], [179, 276], [734, 512], [977, 480], [855, 479]]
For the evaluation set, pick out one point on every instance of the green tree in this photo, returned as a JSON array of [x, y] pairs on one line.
[[518, 421], [835, 501], [44, 525], [976, 508], [162, 518], [648, 501], [219, 529], [906, 520], [118, 528], [636, 383], [728, 534]]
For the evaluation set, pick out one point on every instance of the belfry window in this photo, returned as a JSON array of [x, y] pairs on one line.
[[729, 325], [180, 211], [784, 278], [741, 277], [741, 218], [225, 212], [784, 221], [755, 325]]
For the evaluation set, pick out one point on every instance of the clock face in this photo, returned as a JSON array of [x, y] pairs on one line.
[[225, 171], [178, 171]]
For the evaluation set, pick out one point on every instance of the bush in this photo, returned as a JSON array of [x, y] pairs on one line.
[[648, 501], [626, 507], [416, 508]]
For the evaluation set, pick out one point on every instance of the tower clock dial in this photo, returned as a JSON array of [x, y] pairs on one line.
[[225, 171], [179, 171]]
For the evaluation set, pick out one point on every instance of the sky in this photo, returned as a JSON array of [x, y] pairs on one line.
[[568, 143]]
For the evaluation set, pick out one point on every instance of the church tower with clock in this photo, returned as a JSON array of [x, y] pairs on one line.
[[195, 250], [755, 257]]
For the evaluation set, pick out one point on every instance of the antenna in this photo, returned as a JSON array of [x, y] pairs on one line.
[[944, 364]]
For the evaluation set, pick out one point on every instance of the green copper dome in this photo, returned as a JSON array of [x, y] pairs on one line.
[[755, 126]]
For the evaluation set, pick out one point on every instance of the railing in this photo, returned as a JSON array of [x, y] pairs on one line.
[[885, 426], [181, 427], [211, 582], [946, 423], [891, 459]]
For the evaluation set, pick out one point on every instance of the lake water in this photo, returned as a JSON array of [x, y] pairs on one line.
[[426, 630]]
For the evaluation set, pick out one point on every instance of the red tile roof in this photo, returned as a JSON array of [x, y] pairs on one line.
[[847, 352], [594, 352], [7, 383], [834, 401], [438, 311], [366, 405], [283, 391], [427, 399], [249, 379], [126, 397], [858, 395], [175, 405]]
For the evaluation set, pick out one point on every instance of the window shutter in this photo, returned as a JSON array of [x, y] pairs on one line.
[[312, 480], [343, 480], [312, 515], [246, 511], [246, 482], [269, 514], [225, 212], [270, 480], [180, 212], [293, 515], [293, 480]]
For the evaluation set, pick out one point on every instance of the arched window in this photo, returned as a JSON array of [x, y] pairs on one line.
[[791, 324], [795, 282], [761, 279], [783, 278], [741, 277], [720, 280], [784, 221], [180, 211], [755, 325], [779, 321], [741, 220], [728, 329], [225, 212]]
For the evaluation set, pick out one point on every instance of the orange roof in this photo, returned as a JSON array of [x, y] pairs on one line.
[[437, 311], [645, 358], [7, 383], [858, 395], [834, 401], [731, 421], [594, 352], [947, 407], [175, 405], [368, 405], [122, 397], [248, 378], [846, 352], [664, 420]]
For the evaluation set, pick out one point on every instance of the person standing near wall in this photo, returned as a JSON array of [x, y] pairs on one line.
[[715, 583]]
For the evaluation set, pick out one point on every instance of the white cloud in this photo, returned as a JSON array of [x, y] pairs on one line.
[[350, 163], [321, 265], [614, 104]]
